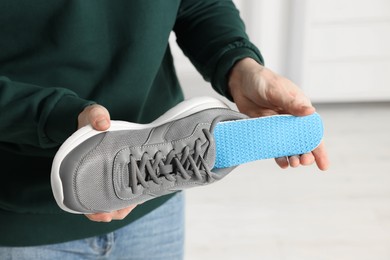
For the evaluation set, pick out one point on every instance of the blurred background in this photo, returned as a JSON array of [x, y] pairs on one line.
[[338, 52]]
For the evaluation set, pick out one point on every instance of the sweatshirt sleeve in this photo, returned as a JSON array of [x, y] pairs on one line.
[[212, 35], [33, 118]]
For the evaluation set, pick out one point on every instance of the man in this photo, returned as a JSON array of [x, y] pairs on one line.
[[66, 64]]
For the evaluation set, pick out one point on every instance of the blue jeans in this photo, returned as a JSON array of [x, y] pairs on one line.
[[159, 235]]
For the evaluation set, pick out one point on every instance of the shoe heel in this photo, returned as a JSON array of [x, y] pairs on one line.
[[248, 140]]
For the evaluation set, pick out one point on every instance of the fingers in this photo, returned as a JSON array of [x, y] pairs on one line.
[[114, 215], [288, 97], [318, 155], [96, 115], [295, 160], [321, 157], [307, 159], [282, 162]]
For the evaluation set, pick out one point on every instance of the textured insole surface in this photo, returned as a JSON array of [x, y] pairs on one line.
[[247, 140]]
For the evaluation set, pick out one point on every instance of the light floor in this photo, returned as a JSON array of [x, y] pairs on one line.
[[262, 212]]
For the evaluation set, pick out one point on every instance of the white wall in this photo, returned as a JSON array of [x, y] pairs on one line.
[[345, 49], [336, 50]]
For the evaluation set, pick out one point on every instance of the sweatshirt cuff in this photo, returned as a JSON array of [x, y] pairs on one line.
[[63, 119], [237, 52]]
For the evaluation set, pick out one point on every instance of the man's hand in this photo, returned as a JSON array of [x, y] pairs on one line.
[[257, 91], [113, 215], [99, 118], [95, 115]]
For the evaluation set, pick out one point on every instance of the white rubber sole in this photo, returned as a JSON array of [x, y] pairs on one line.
[[181, 110]]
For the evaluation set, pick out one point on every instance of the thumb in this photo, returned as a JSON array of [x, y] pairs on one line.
[[289, 98], [96, 115], [299, 107]]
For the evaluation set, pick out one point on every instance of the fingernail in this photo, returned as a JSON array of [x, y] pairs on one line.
[[102, 123], [304, 107]]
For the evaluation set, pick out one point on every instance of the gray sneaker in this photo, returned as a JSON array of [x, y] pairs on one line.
[[195, 143]]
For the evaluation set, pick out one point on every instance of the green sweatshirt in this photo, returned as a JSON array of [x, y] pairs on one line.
[[56, 57]]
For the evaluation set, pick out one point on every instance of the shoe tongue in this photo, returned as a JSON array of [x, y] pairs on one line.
[[211, 154], [165, 169]]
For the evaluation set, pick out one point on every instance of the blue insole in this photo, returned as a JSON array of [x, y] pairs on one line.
[[248, 140]]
